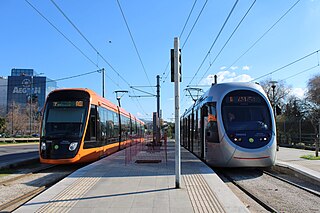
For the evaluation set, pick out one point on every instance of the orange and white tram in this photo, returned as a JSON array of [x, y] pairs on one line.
[[79, 126]]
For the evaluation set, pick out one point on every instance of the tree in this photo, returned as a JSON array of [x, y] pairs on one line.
[[17, 120], [314, 90], [294, 108], [314, 105], [281, 92], [2, 125]]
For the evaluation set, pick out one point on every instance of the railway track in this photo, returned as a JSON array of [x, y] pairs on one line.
[[251, 194], [273, 192], [17, 190], [311, 191], [21, 176]]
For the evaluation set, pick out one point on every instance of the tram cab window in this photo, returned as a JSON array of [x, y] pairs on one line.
[[211, 127]]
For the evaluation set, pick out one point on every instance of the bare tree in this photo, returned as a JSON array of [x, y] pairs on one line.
[[313, 96], [17, 120], [281, 92]]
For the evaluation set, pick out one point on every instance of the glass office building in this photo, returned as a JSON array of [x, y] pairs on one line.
[[3, 95], [24, 86]]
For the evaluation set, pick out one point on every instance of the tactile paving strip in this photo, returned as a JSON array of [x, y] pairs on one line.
[[66, 199], [202, 198]]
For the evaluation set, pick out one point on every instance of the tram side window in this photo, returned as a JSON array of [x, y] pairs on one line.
[[212, 127], [116, 125], [103, 114], [112, 127], [98, 127], [125, 128]]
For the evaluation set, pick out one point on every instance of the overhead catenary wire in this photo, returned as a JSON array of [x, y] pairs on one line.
[[87, 40], [69, 40], [95, 49], [137, 52], [59, 79], [215, 40], [287, 65], [218, 35], [303, 71], [185, 24], [59, 31], [194, 24], [264, 34], [133, 41], [225, 44]]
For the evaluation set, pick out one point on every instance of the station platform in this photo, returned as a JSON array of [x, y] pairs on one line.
[[138, 180], [289, 158]]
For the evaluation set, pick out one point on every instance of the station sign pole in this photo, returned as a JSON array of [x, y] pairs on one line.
[[177, 79]]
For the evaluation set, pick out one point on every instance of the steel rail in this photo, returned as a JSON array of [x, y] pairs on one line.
[[293, 184], [250, 194]]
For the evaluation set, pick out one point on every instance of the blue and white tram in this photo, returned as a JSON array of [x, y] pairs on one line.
[[231, 125]]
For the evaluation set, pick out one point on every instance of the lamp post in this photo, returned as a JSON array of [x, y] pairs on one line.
[[119, 94], [31, 96], [273, 86]]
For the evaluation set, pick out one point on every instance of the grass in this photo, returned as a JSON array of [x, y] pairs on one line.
[[310, 157]]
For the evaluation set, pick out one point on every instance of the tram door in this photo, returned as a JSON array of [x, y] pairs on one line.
[[93, 123], [209, 126], [203, 123]]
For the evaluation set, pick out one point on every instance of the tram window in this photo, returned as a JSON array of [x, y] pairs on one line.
[[103, 124], [91, 133], [211, 126], [112, 127], [92, 121], [247, 118], [116, 125]]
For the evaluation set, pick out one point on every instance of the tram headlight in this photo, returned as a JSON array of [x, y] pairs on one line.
[[43, 146], [73, 146]]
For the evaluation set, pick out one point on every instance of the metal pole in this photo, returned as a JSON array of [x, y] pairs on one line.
[[318, 142], [31, 87], [103, 82], [300, 130], [177, 109], [12, 117], [158, 108]]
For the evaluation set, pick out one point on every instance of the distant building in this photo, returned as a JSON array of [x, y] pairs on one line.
[[25, 86], [3, 95]]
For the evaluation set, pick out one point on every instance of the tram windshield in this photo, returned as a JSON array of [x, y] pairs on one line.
[[245, 111], [64, 119]]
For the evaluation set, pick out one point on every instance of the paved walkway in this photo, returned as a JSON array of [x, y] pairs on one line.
[[290, 157], [118, 184]]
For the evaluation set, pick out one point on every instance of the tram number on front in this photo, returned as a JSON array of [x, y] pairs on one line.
[[244, 99]]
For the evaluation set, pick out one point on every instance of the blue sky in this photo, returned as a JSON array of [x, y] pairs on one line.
[[27, 40]]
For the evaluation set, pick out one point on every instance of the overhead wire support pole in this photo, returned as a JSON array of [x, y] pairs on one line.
[[103, 82], [177, 109]]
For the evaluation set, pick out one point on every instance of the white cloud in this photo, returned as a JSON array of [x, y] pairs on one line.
[[233, 67], [223, 68], [227, 76], [246, 68], [299, 92]]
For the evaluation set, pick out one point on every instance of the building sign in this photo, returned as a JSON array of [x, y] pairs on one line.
[[26, 87]]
